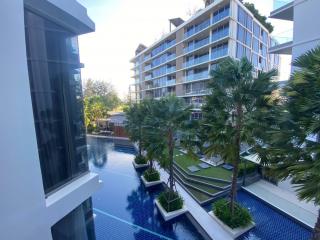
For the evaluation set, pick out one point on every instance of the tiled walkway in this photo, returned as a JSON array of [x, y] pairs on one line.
[[212, 228], [286, 201]]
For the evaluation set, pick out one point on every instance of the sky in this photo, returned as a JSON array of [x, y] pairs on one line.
[[122, 24]]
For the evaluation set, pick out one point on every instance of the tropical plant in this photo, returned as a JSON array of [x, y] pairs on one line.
[[99, 98], [233, 111], [169, 113], [262, 19], [241, 217], [135, 115], [292, 155]]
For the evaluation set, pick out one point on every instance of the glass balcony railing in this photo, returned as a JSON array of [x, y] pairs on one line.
[[171, 69], [147, 57], [281, 38], [195, 105], [197, 76], [197, 28], [197, 45], [280, 3], [197, 61], [197, 92], [220, 34], [148, 67], [148, 77]]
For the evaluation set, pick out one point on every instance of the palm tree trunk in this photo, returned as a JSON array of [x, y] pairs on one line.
[[316, 230], [140, 149], [170, 148], [234, 185]]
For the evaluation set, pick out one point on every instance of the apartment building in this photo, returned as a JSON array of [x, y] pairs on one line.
[[180, 62], [304, 14], [46, 184]]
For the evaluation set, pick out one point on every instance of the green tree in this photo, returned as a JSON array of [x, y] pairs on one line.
[[99, 98], [293, 156], [232, 110], [135, 115], [170, 114]]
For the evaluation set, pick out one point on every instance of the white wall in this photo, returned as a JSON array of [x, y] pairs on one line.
[[306, 33], [22, 197], [25, 212]]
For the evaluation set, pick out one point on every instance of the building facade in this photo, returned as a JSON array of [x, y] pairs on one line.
[[46, 184], [305, 37], [180, 62]]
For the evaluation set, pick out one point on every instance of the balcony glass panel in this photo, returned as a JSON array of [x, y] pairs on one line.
[[195, 61], [220, 32], [197, 76], [197, 28], [221, 14], [196, 45], [219, 51], [280, 3]]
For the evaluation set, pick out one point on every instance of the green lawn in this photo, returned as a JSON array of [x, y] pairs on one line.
[[185, 161], [199, 195], [200, 186]]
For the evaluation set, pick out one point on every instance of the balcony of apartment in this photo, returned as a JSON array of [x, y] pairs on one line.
[[196, 92], [192, 30], [160, 49], [283, 9], [196, 45], [168, 59], [196, 61], [197, 76], [148, 77], [282, 43]]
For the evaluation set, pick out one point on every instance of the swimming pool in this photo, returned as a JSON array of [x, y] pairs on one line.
[[124, 209], [270, 224]]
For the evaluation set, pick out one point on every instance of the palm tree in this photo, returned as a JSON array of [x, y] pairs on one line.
[[153, 142], [292, 155], [170, 114], [135, 115], [231, 111]]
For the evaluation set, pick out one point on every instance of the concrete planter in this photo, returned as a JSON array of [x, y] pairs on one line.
[[170, 215], [138, 166], [234, 233], [150, 184]]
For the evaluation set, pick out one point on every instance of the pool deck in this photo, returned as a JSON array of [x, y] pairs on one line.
[[208, 224], [285, 201]]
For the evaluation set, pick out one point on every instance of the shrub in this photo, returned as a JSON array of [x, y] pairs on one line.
[[250, 168], [151, 175], [139, 159], [170, 201], [241, 217]]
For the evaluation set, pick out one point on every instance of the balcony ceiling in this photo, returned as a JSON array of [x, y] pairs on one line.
[[285, 12]]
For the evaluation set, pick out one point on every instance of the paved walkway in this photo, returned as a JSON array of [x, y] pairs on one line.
[[212, 228], [286, 201]]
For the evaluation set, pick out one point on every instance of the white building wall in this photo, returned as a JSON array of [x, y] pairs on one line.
[[26, 213], [306, 34], [22, 196]]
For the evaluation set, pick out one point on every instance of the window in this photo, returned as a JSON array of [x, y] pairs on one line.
[[255, 45], [77, 225], [243, 51], [256, 30], [56, 92]]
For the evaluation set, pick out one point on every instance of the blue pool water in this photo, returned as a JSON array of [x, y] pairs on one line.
[[270, 224], [124, 208]]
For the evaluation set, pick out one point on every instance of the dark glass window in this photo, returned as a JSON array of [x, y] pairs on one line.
[[55, 85], [77, 225]]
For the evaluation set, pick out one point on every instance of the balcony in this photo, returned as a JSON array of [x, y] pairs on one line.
[[196, 61], [282, 44], [197, 28], [197, 76], [197, 45], [148, 67], [196, 92], [283, 10], [148, 77]]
